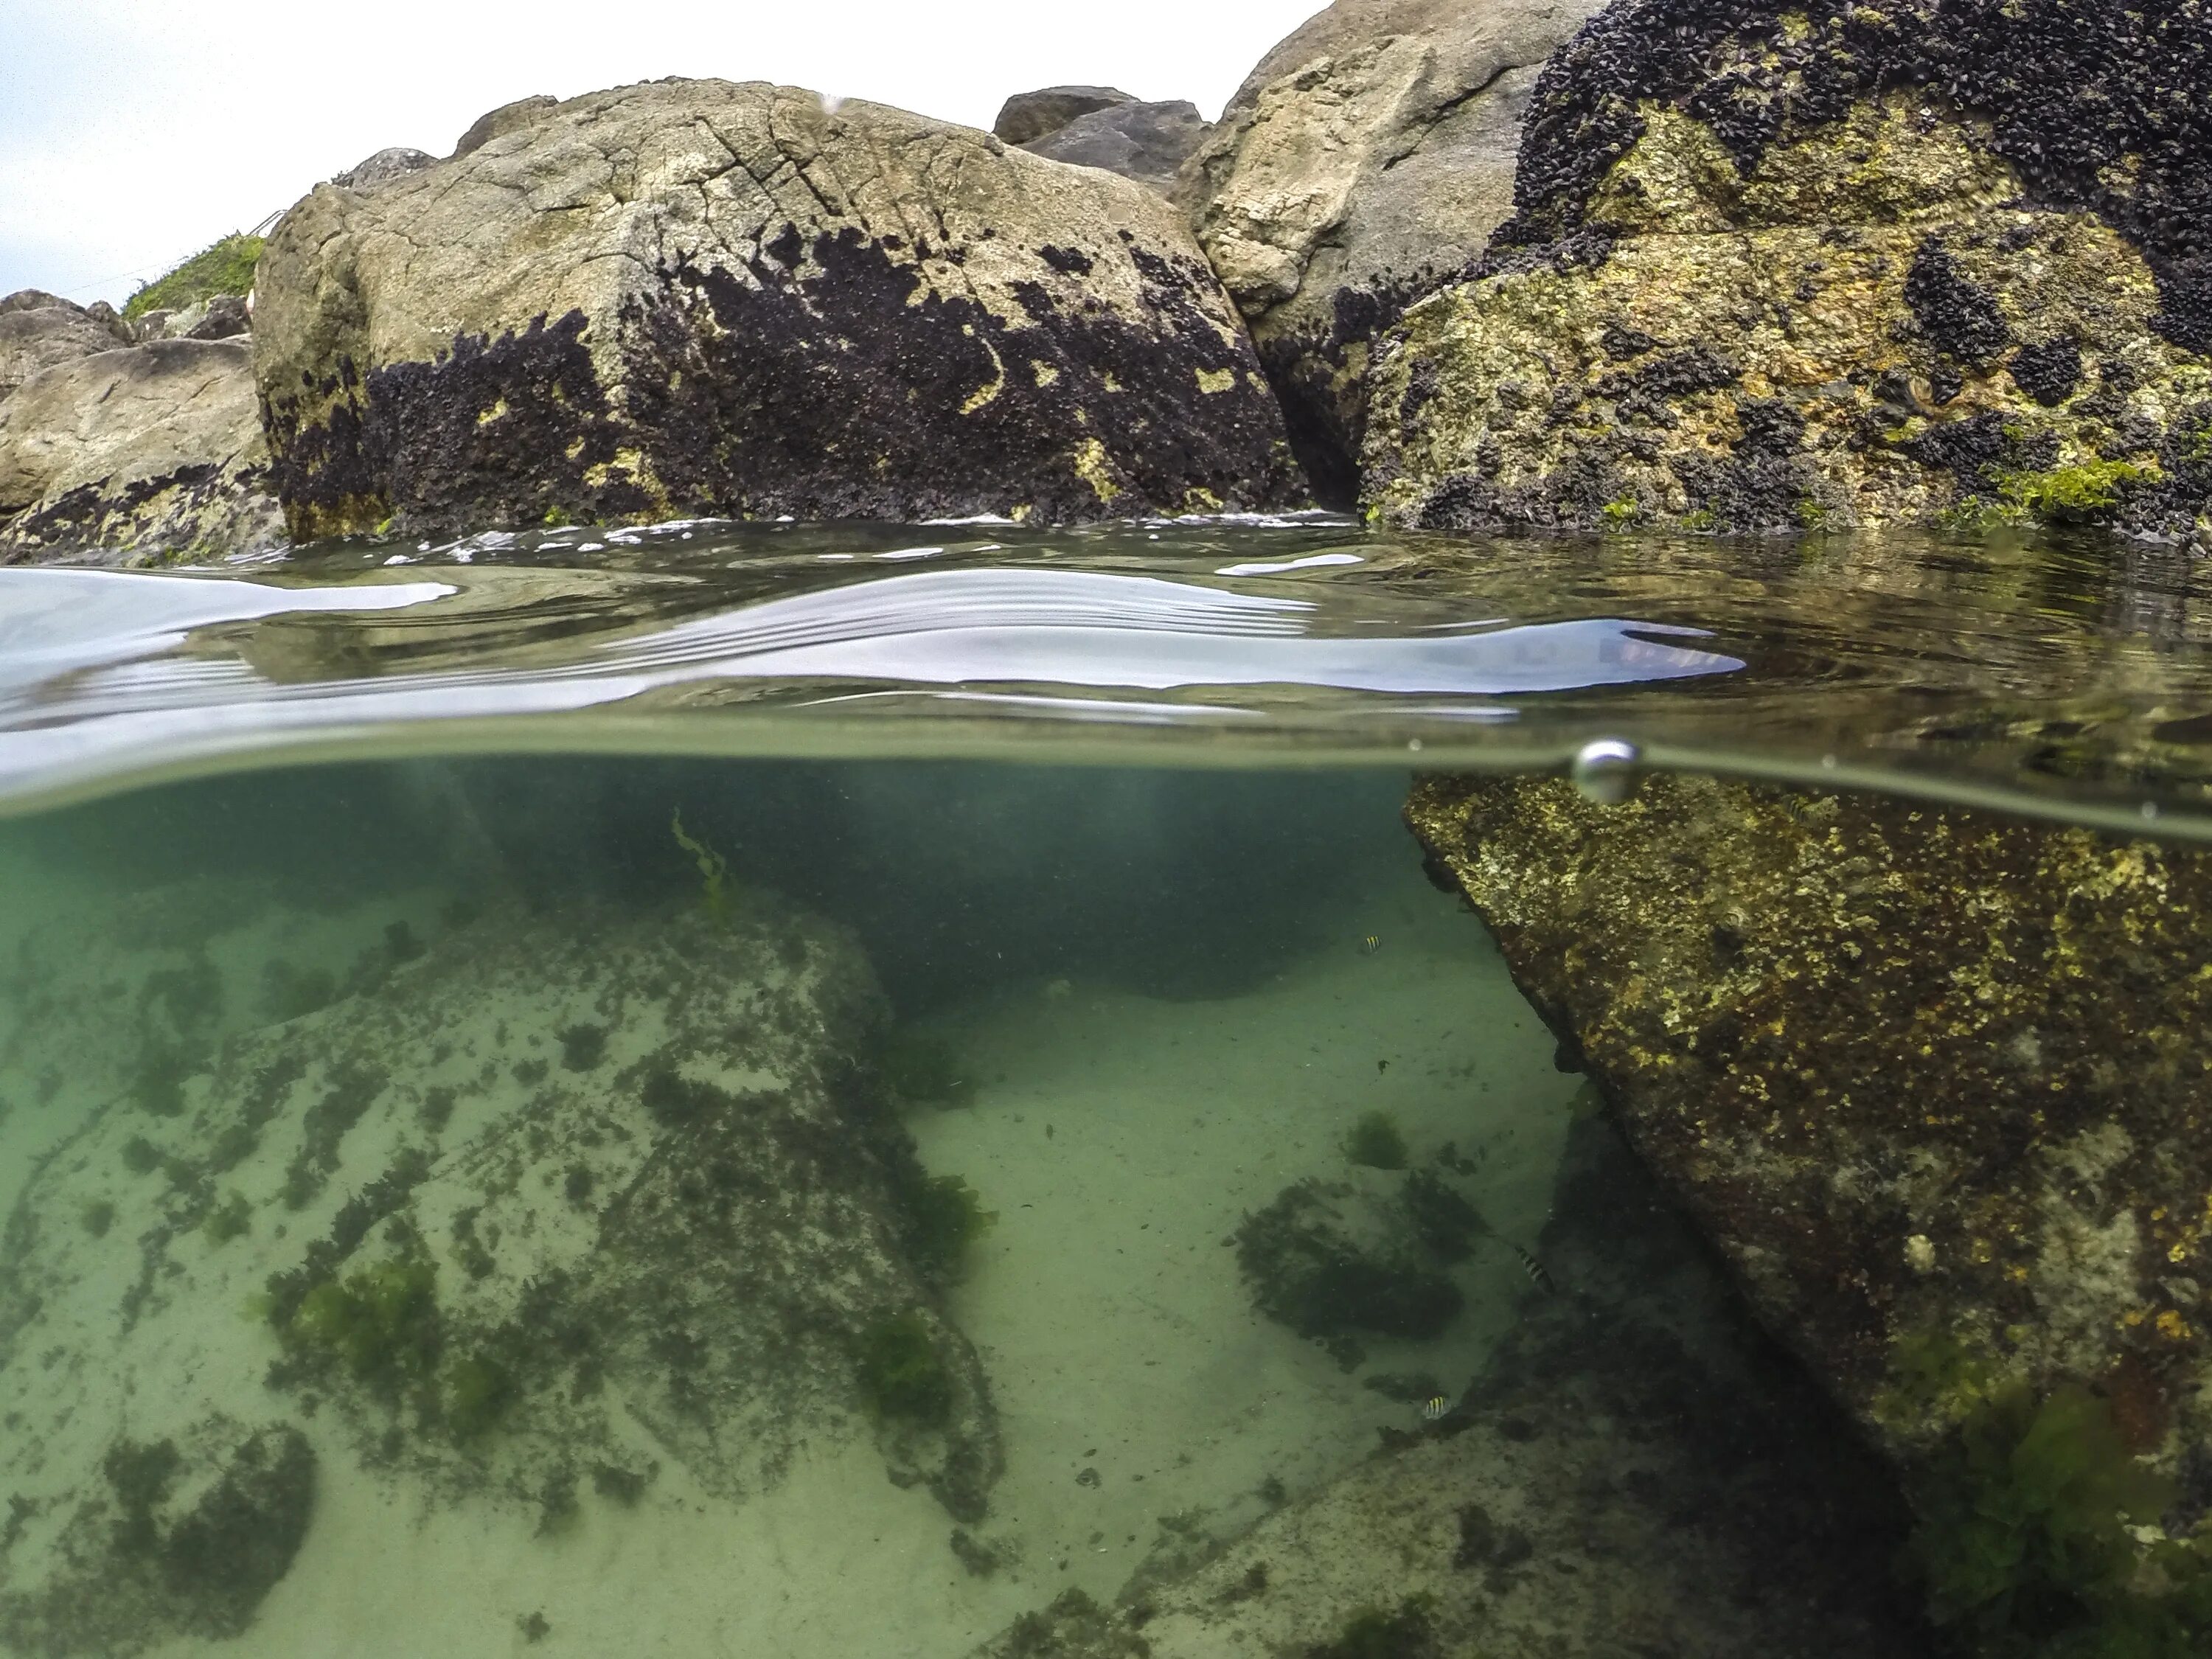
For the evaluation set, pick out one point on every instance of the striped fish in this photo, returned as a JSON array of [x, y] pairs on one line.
[[1370, 944], [1435, 1406], [1539, 1275]]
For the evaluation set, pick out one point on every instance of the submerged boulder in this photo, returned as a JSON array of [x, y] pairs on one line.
[[529, 1216], [1935, 1084], [1148, 142], [1777, 270], [137, 455], [1365, 161], [694, 297]]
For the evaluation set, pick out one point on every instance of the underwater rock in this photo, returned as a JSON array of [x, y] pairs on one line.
[[1935, 1084], [559, 1200], [38, 331], [1780, 270], [137, 455], [693, 297], [1148, 142], [1636, 1470], [1029, 116], [1365, 161]]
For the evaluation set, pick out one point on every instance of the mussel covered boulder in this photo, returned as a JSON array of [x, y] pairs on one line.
[[137, 454], [550, 1211], [1364, 163], [1936, 1084], [1774, 269], [694, 297]]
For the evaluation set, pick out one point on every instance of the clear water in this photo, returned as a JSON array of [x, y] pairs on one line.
[[735, 1107]]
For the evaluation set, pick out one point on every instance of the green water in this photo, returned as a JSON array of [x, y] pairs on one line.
[[806, 1091]]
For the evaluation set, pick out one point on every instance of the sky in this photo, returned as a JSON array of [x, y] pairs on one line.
[[134, 133]]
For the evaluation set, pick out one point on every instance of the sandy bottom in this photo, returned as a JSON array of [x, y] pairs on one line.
[[1146, 1409]]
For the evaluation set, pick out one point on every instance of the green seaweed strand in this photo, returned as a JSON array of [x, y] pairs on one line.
[[714, 870]]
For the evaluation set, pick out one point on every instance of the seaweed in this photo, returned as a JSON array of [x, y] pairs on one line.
[[97, 1217], [477, 1392], [1305, 1272], [1376, 1142], [231, 1218], [380, 1323], [582, 1047], [1371, 1633], [141, 1155], [944, 1217], [901, 1372], [714, 870], [920, 1067]]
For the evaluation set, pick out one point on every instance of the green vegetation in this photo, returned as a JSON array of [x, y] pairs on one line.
[[1371, 1633], [2023, 1540], [226, 267], [141, 1155], [477, 1393], [1376, 1142], [902, 1373], [714, 870], [232, 1218], [380, 1323], [1701, 520], [97, 1217], [2075, 494], [945, 1217], [1621, 515]]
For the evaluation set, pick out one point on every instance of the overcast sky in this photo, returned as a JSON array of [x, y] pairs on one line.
[[133, 133]]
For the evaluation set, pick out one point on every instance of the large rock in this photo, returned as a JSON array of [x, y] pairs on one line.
[[1029, 116], [382, 168], [545, 1211], [38, 331], [508, 118], [1936, 262], [1935, 1084], [138, 454], [1634, 1472], [694, 297], [1366, 161], [1148, 142]]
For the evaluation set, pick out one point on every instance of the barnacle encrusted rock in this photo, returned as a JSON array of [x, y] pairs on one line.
[[137, 455], [1935, 1083], [1773, 269], [1365, 161], [694, 297], [528, 1216]]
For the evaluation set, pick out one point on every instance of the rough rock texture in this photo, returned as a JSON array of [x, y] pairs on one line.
[[1366, 161], [508, 118], [1636, 1472], [383, 168], [1029, 116], [521, 1216], [38, 331], [693, 297], [1148, 142], [137, 455], [1935, 1085], [1932, 261]]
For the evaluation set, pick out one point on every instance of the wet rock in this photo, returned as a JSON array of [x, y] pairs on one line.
[[1935, 262], [528, 1215], [693, 297], [1029, 116], [508, 118], [1636, 1470], [383, 168], [1362, 163], [1148, 142], [1933, 1084], [38, 330], [137, 455]]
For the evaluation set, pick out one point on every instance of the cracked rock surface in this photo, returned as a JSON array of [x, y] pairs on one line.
[[137, 455], [527, 1216], [694, 297], [1934, 262], [38, 331], [1365, 161]]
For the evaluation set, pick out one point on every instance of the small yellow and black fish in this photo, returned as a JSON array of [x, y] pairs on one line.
[[1435, 1406], [1370, 944], [1539, 1275]]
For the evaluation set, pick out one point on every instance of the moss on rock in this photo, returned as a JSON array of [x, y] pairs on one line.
[[227, 267]]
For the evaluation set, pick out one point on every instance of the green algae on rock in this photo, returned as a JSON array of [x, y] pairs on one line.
[[225, 267], [1933, 1083], [694, 297], [1807, 274]]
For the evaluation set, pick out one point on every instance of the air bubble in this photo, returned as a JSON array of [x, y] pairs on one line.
[[1606, 771]]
